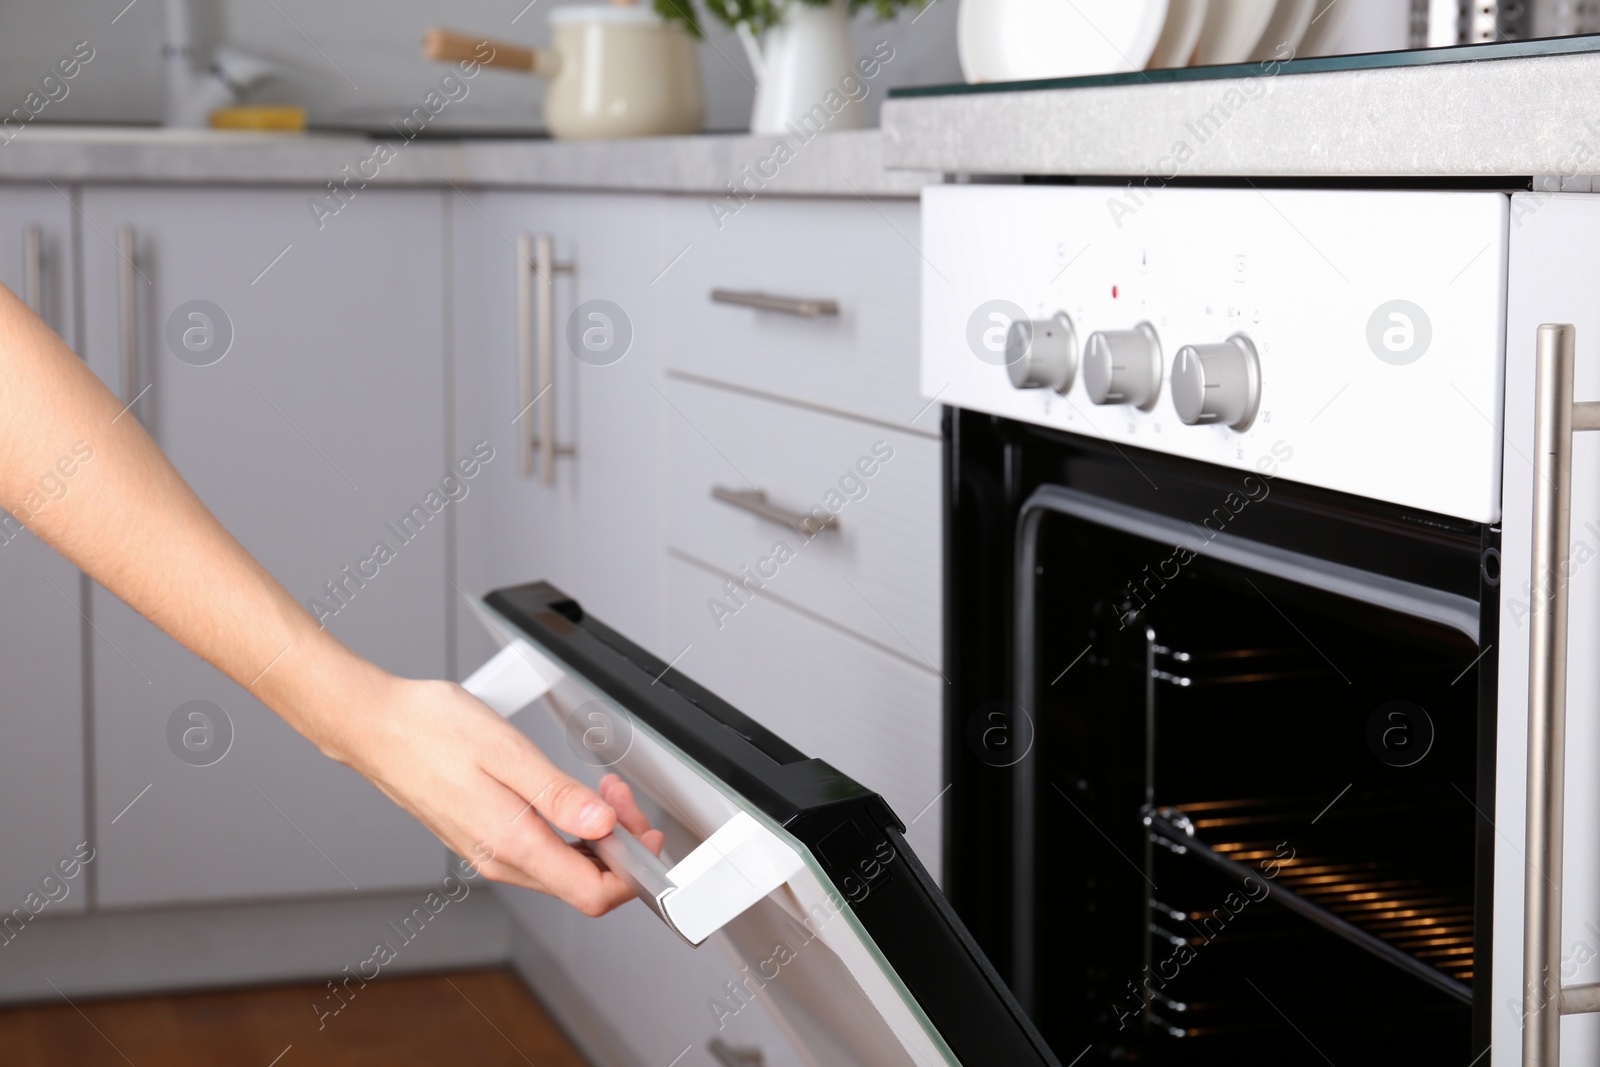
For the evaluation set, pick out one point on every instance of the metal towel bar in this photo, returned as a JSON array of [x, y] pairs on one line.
[[1556, 418]]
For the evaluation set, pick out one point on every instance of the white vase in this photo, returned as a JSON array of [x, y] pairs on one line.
[[806, 79]]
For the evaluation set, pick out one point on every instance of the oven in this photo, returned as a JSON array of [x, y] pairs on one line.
[[1238, 497]]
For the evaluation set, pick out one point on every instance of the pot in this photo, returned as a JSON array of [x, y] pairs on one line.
[[613, 71]]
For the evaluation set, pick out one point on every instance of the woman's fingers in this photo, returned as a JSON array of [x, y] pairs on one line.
[[564, 800]]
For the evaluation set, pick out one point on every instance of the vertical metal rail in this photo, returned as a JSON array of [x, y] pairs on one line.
[[1556, 417], [128, 313], [33, 269], [536, 357]]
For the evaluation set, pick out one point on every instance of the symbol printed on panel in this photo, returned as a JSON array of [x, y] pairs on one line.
[[199, 733], [999, 733], [599, 332], [989, 329], [598, 733], [199, 333], [1399, 332], [1400, 733]]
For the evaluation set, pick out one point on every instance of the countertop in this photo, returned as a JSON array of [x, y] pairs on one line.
[[1529, 109], [845, 163]]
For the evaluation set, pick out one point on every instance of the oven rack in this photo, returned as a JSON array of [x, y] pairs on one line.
[[1372, 902]]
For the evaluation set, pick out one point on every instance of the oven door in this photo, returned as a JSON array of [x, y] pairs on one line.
[[801, 874]]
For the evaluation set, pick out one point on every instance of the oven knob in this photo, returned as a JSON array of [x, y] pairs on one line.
[[1042, 353], [1217, 383], [1124, 367]]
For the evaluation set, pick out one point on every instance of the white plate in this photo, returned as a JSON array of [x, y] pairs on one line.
[[1281, 39], [1185, 18], [1231, 31], [1327, 26], [1016, 40]]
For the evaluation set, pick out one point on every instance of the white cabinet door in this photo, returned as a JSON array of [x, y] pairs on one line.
[[595, 532], [304, 401], [41, 630]]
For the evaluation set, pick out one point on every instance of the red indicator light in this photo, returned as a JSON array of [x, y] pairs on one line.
[[1113, 292]]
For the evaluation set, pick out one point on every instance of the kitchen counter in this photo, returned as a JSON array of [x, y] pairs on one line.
[[846, 163], [1522, 109]]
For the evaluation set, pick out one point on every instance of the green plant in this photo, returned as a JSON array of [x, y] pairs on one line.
[[761, 15]]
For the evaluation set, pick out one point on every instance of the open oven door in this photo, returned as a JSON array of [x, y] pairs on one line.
[[801, 874]]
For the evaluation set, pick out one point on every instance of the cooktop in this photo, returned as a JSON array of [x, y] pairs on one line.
[[1422, 57]]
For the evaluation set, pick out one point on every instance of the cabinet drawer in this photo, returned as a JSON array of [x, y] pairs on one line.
[[860, 256], [874, 716], [875, 570]]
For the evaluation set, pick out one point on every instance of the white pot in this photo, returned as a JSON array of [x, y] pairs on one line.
[[614, 70], [805, 71]]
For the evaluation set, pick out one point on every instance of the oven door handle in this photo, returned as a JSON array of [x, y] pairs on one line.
[[1556, 418], [719, 880]]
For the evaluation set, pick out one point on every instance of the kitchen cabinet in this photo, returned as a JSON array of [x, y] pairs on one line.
[[41, 630], [839, 330], [295, 376], [594, 526]]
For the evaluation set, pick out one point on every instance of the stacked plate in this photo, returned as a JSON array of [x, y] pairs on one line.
[[1018, 40]]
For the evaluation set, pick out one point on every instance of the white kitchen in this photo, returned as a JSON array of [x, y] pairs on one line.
[[821, 533]]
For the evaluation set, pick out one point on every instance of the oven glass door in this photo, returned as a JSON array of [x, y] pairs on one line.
[[853, 953]]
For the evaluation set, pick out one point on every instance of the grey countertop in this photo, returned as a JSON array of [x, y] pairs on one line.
[[1536, 115], [848, 163]]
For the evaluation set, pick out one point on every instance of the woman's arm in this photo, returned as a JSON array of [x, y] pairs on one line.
[[131, 523]]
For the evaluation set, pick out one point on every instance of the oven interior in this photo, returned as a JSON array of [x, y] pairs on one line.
[[1250, 813]]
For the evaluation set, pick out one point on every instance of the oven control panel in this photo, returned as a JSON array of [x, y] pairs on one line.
[[1350, 339]]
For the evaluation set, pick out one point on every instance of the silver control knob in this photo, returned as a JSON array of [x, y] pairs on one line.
[[1217, 383], [1042, 353], [1124, 367]]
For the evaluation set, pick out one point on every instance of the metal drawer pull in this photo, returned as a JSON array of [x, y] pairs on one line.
[[789, 305], [1556, 417], [755, 502], [735, 1055], [128, 318], [33, 269], [536, 265]]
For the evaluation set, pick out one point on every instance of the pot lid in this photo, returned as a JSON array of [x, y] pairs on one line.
[[630, 14]]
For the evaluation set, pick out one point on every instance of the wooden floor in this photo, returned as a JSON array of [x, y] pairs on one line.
[[481, 1018]]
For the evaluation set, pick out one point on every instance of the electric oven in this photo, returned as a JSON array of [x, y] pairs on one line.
[[1240, 606]]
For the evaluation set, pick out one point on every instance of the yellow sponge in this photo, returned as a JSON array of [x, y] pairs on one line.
[[259, 117]]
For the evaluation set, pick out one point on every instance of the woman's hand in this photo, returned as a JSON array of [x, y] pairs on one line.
[[136, 527], [488, 792]]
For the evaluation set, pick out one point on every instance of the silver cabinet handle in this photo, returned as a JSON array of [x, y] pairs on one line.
[[734, 1056], [127, 314], [33, 269], [536, 361], [1556, 417], [788, 305], [755, 502]]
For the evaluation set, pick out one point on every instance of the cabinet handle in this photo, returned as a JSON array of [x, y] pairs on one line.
[[1556, 417], [788, 305], [33, 269], [735, 1056], [127, 314], [755, 502], [536, 362]]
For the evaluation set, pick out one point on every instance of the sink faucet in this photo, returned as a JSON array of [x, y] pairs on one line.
[[202, 75]]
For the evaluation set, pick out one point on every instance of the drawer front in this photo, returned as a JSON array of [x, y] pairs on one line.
[[875, 569], [860, 256], [874, 716]]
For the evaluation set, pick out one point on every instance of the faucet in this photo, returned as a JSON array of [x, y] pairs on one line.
[[201, 74]]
